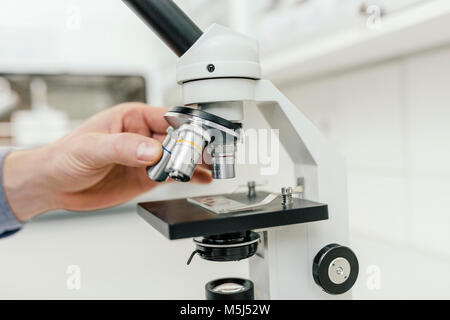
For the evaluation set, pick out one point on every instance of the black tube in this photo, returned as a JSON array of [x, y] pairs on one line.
[[171, 24]]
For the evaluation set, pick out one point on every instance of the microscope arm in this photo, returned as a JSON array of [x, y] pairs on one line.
[[324, 173]]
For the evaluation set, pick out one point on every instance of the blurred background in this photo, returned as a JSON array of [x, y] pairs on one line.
[[374, 76]]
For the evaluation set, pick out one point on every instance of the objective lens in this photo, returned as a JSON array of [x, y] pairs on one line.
[[223, 161], [158, 171], [187, 152]]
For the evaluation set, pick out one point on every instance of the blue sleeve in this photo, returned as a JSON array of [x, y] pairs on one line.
[[8, 222]]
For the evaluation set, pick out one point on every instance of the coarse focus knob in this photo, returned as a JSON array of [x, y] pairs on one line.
[[335, 269]]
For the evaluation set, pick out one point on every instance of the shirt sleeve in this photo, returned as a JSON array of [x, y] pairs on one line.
[[8, 222]]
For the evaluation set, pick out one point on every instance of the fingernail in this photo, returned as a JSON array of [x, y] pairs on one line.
[[148, 151]]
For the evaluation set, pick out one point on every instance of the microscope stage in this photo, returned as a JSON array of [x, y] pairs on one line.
[[180, 218]]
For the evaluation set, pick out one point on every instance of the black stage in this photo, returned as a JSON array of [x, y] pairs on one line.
[[179, 218]]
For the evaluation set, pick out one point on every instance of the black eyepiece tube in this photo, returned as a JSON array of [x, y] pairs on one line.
[[171, 24]]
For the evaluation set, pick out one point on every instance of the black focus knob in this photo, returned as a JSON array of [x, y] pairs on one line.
[[335, 269]]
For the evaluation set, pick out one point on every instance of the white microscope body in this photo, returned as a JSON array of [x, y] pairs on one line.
[[218, 72], [299, 250]]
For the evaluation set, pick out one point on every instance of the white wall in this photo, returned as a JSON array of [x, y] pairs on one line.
[[73, 35], [391, 120]]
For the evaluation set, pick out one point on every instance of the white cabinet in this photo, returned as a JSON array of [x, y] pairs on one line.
[[318, 37]]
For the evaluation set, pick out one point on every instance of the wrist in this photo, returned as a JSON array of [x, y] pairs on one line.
[[27, 185]]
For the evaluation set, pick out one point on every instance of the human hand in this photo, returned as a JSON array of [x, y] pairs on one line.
[[99, 165]]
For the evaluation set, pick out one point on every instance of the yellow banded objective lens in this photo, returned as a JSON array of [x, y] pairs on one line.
[[193, 143]]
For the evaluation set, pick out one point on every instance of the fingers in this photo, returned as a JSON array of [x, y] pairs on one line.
[[128, 149], [158, 136], [154, 118], [207, 167], [202, 176]]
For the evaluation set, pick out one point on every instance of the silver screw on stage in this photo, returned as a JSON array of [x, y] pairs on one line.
[[251, 189], [286, 195]]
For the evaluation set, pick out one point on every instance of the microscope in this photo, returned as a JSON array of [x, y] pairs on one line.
[[296, 240]]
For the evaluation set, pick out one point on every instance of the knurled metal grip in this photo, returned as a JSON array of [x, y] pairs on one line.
[[335, 269]]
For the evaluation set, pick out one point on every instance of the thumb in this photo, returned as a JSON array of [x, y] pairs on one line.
[[128, 149]]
